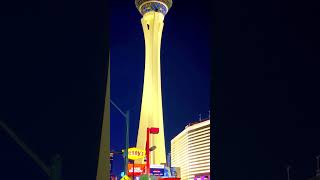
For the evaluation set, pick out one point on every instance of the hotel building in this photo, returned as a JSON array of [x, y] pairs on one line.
[[190, 150]]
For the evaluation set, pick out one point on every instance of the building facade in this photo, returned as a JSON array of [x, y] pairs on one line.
[[190, 151]]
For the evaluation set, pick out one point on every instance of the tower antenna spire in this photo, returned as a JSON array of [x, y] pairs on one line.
[[209, 114]]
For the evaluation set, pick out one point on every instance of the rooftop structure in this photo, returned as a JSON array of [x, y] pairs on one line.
[[196, 122]]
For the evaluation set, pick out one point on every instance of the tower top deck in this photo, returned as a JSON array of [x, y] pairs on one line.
[[161, 6]]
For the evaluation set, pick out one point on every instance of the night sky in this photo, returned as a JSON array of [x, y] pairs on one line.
[[53, 63], [259, 59], [266, 89]]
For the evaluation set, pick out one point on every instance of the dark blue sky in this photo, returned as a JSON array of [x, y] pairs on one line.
[[265, 89], [53, 73], [185, 67]]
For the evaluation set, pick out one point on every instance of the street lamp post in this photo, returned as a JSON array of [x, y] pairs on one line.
[[288, 172], [53, 171], [127, 116], [152, 130], [318, 166]]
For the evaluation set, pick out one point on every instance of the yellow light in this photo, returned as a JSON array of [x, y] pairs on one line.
[[135, 153]]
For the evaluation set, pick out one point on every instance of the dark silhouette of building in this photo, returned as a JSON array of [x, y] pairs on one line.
[[316, 177]]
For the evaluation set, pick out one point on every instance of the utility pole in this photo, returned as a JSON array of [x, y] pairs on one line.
[[56, 168], [127, 118], [54, 172], [318, 168], [288, 172]]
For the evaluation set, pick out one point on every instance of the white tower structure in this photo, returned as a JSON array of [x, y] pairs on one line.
[[153, 12]]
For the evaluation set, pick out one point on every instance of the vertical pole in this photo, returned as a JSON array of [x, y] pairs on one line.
[[288, 172], [147, 152], [56, 168], [318, 162], [26, 149], [318, 168], [133, 170], [127, 143]]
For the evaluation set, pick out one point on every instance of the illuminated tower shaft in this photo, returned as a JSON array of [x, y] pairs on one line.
[[151, 108]]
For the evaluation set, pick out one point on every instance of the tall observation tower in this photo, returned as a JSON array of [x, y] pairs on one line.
[[153, 12]]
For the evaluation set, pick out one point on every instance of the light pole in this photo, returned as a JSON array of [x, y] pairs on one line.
[[152, 130], [288, 172], [127, 116], [318, 166], [53, 172]]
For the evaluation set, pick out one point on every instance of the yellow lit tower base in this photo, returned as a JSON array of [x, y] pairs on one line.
[[153, 12]]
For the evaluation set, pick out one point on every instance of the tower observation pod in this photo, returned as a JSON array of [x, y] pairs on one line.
[[153, 12]]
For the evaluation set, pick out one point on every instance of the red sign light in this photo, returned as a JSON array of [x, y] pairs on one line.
[[154, 130], [138, 169]]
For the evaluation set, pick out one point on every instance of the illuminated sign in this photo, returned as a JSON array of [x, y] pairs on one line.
[[135, 153], [156, 166], [167, 172], [125, 178], [157, 170], [139, 169]]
